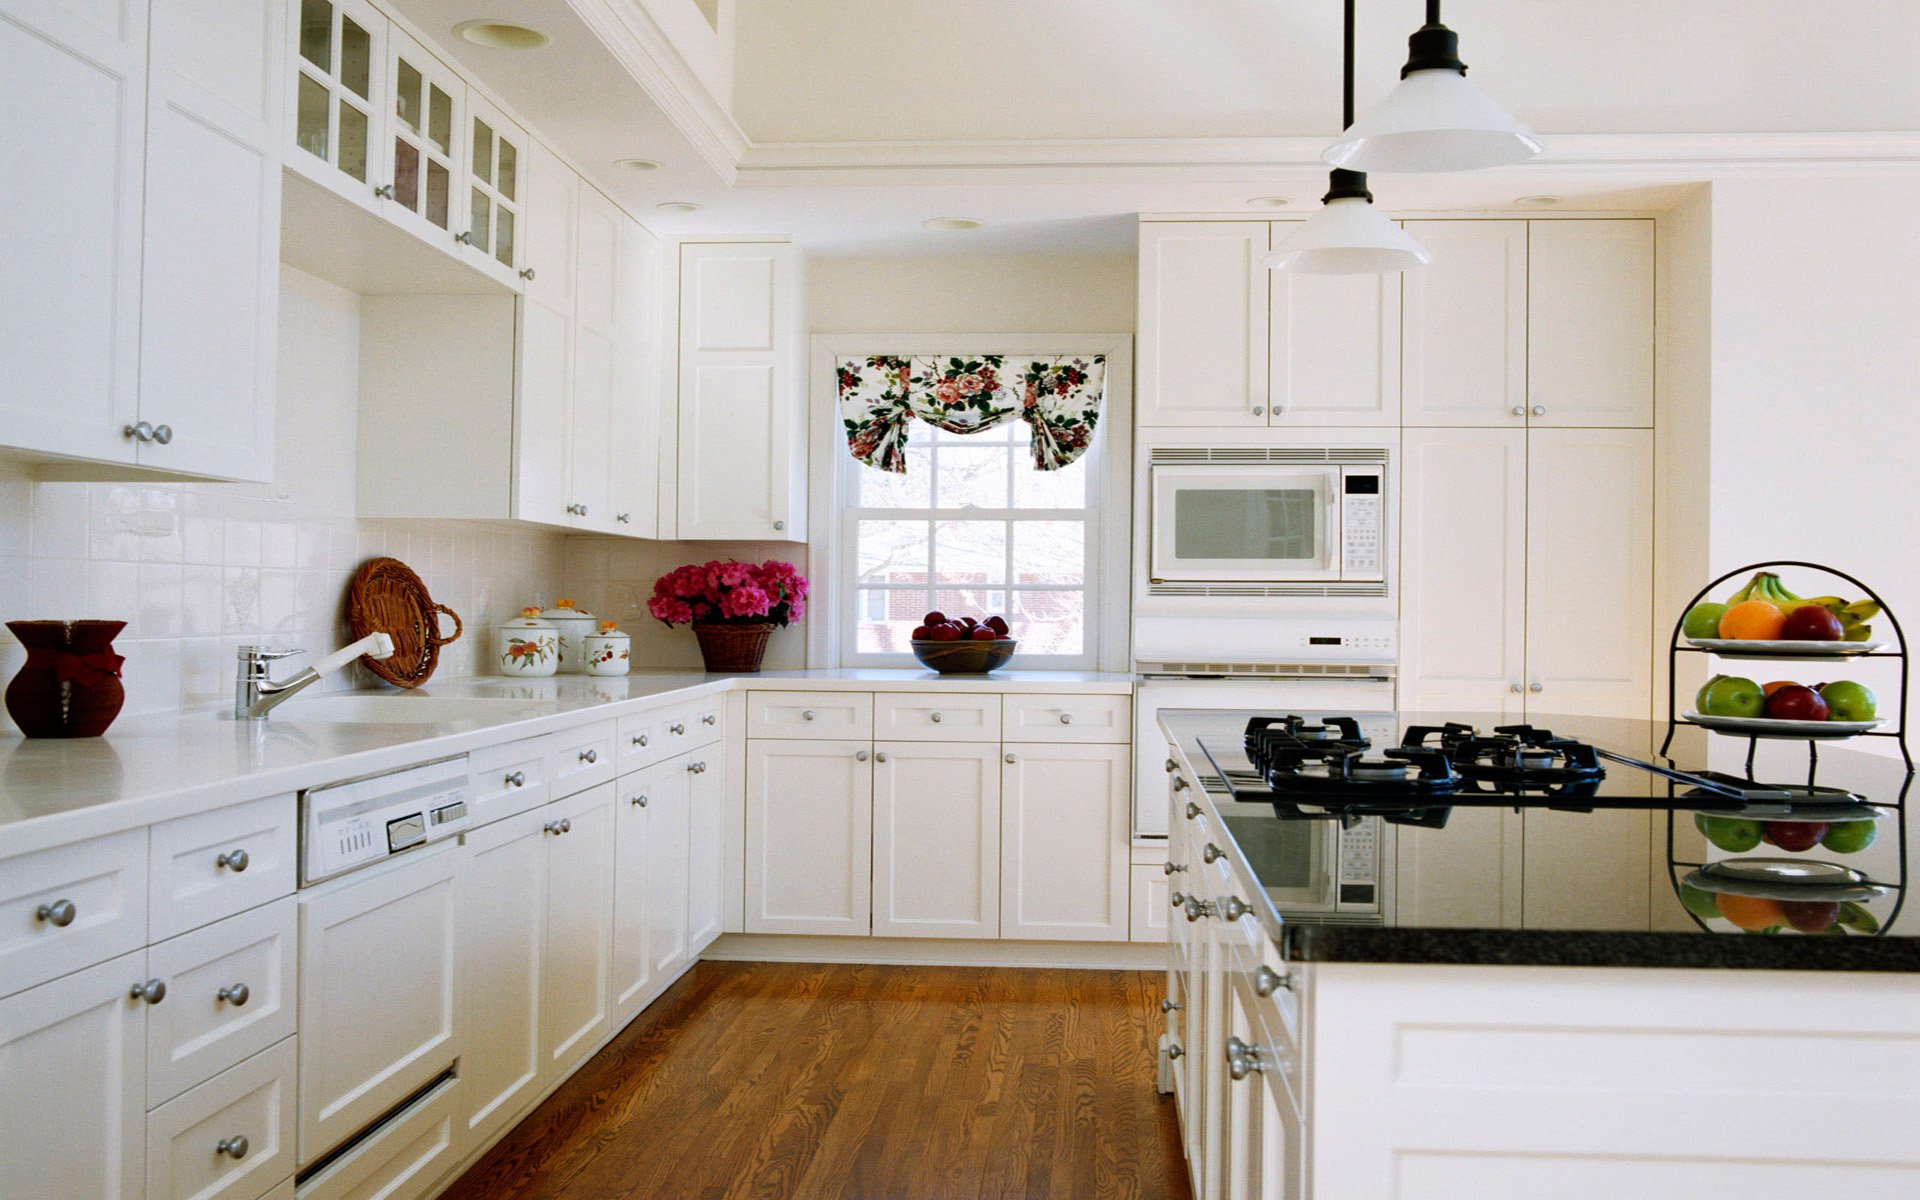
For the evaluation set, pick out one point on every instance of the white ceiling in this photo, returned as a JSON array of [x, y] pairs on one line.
[[823, 83]]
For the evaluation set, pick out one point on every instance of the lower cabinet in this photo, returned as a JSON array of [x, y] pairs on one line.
[[663, 881], [231, 1137], [809, 837], [502, 906], [1064, 829], [574, 968], [936, 840], [706, 845]]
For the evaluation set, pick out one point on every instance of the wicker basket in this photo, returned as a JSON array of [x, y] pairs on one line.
[[388, 597], [732, 648]]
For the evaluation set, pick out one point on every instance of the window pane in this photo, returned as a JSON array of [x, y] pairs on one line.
[[1052, 622], [971, 476], [1049, 552], [438, 194], [311, 130], [503, 238], [892, 552], [353, 141], [482, 164], [887, 619], [1065, 488], [356, 58], [406, 173], [406, 95], [481, 231], [884, 489], [316, 33], [976, 602], [440, 118], [509, 170], [970, 552]]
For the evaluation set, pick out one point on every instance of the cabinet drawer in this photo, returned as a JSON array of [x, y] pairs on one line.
[[71, 906], [247, 1109], [702, 721], [230, 990], [810, 715], [1150, 890], [215, 864], [508, 779], [581, 758], [641, 741], [936, 717], [1057, 718], [400, 1160]]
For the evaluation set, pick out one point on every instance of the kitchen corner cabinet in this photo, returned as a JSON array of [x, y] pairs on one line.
[[143, 212], [742, 439]]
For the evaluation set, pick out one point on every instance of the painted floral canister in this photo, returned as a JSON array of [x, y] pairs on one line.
[[527, 645], [608, 651], [574, 624]]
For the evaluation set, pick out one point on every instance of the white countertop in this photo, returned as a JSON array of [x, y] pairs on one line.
[[149, 769]]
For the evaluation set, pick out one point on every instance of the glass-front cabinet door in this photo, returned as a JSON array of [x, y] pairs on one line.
[[426, 163], [339, 86], [494, 233]]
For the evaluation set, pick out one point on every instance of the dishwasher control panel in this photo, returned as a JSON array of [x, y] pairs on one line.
[[358, 822]]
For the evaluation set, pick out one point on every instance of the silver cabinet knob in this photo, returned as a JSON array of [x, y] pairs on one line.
[[1278, 409], [233, 860], [517, 779], [1170, 1005], [234, 1147], [1242, 1059], [1539, 410], [624, 518], [1518, 410], [1267, 981], [1180, 783], [779, 524], [384, 191], [1172, 867], [1211, 853], [526, 273], [163, 434], [639, 739], [1012, 758], [639, 801], [1066, 718], [1536, 687], [140, 432], [465, 237], [234, 993], [589, 756], [1193, 810], [1174, 1050], [880, 756], [1515, 688], [1258, 411], [1233, 908], [806, 714], [676, 729], [1172, 766], [1176, 899], [935, 717], [698, 768], [1197, 908], [556, 827], [153, 991], [861, 756], [59, 913], [709, 719]]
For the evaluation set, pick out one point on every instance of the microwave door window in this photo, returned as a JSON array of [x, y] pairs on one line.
[[1283, 855], [1246, 525]]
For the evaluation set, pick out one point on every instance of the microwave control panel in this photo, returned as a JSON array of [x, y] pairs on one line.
[[1360, 524]]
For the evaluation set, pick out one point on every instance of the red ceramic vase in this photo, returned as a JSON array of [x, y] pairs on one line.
[[70, 686]]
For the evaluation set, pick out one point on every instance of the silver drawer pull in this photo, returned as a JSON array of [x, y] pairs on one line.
[[1242, 1059], [1193, 810], [1066, 718], [640, 739], [235, 994], [1174, 1050], [59, 914], [1172, 867], [563, 825], [676, 729], [1518, 410], [1172, 766], [234, 1147], [1233, 908], [639, 801], [935, 717], [709, 719], [698, 768], [1170, 1005], [1212, 853], [1539, 410], [1180, 783], [153, 991], [1197, 908], [233, 860], [589, 756], [1267, 981], [806, 714], [1176, 898], [517, 779]]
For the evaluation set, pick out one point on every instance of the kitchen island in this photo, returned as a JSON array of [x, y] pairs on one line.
[[1529, 1008]]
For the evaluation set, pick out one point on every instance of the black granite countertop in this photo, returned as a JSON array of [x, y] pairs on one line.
[[1536, 869]]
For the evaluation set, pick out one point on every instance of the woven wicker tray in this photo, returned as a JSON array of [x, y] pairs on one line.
[[386, 596]]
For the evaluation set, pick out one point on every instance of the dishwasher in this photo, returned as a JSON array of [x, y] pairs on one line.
[[378, 858]]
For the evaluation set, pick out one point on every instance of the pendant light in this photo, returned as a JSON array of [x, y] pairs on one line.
[[1348, 236], [1434, 120]]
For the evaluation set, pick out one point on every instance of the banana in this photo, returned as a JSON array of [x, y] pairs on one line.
[[1745, 593], [1858, 633], [1854, 915], [1861, 610], [1832, 604]]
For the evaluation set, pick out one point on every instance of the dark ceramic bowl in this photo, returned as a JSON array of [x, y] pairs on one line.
[[963, 658]]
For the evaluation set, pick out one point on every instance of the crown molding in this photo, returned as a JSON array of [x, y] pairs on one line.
[[643, 48]]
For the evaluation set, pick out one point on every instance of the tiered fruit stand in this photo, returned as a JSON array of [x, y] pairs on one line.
[[1797, 876]]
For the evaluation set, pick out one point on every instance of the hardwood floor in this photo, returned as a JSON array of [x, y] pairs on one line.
[[782, 1081]]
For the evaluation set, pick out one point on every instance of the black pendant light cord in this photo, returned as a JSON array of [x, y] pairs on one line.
[[1433, 12], [1433, 47], [1346, 110], [1343, 184]]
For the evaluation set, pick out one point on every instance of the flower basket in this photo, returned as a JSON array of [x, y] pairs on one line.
[[732, 649]]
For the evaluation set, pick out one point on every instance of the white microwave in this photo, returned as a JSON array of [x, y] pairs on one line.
[[1268, 523]]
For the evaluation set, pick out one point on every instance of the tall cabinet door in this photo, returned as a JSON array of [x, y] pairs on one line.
[[1590, 323], [809, 837], [210, 291], [1064, 842], [70, 195], [936, 839], [573, 988], [669, 824], [706, 845], [1463, 577], [501, 902], [634, 432], [541, 414], [1335, 347], [1464, 344], [595, 332], [1590, 572], [1203, 323]]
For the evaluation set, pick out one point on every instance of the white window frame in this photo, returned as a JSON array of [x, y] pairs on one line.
[[1110, 491]]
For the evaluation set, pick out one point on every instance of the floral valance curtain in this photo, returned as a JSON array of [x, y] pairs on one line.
[[1059, 397]]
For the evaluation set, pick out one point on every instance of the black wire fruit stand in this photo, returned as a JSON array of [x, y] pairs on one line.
[[1681, 871]]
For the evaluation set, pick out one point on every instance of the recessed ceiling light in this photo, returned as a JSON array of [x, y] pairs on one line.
[[1270, 201], [951, 224], [678, 206], [501, 35], [1539, 201], [637, 164]]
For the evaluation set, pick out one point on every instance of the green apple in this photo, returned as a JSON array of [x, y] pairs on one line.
[[1849, 701], [1732, 696], [1703, 620], [1850, 837], [1698, 902], [1732, 834]]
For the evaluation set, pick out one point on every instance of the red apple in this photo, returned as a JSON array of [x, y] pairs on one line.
[[1810, 916], [1796, 702], [997, 624], [983, 634], [936, 617], [1811, 623], [921, 633], [943, 633], [1796, 835]]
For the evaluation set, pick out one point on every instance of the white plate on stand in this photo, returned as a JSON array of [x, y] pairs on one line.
[[1774, 727], [1755, 648]]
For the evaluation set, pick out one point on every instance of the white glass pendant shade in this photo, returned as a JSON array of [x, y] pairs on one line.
[[1348, 237], [1433, 121]]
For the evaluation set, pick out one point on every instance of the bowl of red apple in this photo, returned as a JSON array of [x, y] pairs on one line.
[[962, 645]]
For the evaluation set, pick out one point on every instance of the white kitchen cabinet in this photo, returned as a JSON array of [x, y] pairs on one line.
[[596, 335], [706, 845], [1064, 834], [669, 830], [542, 410], [232, 1137], [1203, 324], [641, 804], [1464, 338], [216, 864], [809, 837], [426, 147], [502, 907], [1590, 323], [574, 968], [742, 428], [72, 1085], [633, 433], [496, 208], [1333, 347], [68, 906], [936, 839], [231, 990], [339, 100]]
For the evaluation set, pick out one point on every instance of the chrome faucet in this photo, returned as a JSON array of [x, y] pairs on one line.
[[255, 694]]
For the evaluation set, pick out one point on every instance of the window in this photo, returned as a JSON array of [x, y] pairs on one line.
[[971, 529]]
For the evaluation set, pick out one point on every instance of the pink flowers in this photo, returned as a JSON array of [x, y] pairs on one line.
[[947, 391], [730, 592]]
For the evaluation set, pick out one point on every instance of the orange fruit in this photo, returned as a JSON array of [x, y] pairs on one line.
[[1751, 912], [1770, 688], [1752, 620]]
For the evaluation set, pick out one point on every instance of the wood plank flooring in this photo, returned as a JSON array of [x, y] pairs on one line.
[[777, 1081]]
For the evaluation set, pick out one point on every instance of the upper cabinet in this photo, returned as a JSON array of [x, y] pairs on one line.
[[494, 217], [143, 224], [1333, 347], [1465, 332], [427, 152], [339, 53]]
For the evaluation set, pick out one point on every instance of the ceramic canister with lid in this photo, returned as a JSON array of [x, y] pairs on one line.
[[527, 646], [608, 651], [574, 624]]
